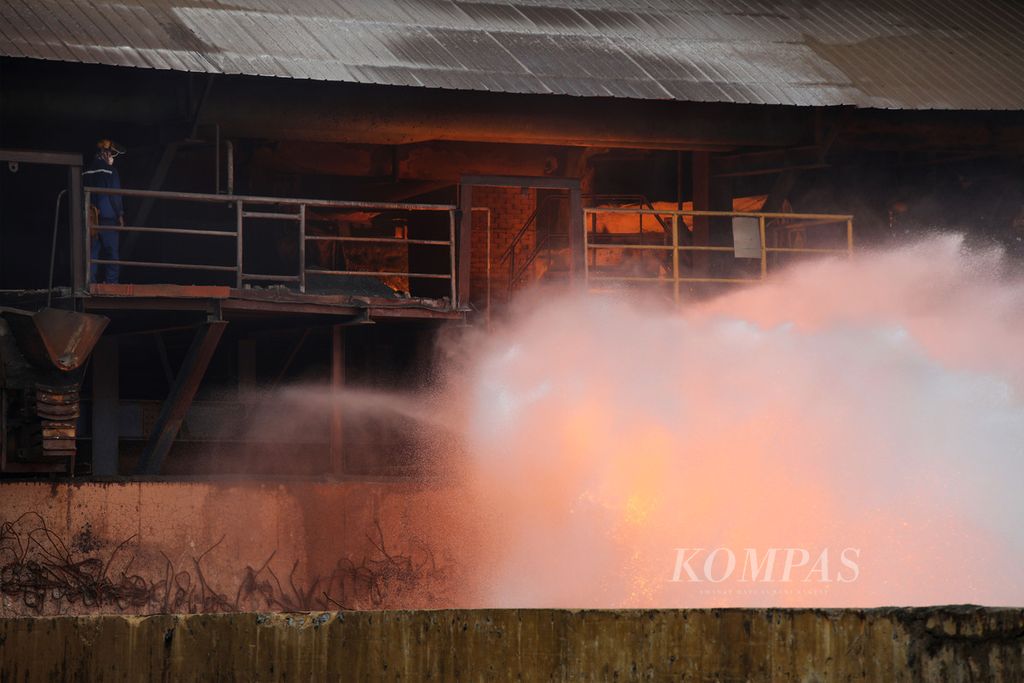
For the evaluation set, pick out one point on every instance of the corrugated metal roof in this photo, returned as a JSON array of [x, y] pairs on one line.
[[900, 54]]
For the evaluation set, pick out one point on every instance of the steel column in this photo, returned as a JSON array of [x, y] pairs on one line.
[[577, 248], [763, 232], [79, 238], [239, 213], [302, 248], [675, 258], [454, 282], [176, 406], [462, 273]]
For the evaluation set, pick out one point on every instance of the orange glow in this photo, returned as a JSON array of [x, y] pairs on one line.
[[870, 406]]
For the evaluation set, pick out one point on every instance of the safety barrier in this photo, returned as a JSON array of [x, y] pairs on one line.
[[768, 238], [250, 208]]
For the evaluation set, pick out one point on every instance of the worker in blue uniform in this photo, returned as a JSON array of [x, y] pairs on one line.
[[104, 209]]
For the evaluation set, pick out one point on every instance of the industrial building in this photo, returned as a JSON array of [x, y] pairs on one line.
[[336, 182], [315, 192]]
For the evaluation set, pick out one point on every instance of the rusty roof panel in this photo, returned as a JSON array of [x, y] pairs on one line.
[[903, 54]]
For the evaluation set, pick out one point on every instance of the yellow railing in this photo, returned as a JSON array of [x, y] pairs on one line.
[[788, 231]]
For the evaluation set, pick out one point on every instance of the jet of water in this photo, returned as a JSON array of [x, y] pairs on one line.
[[859, 423]]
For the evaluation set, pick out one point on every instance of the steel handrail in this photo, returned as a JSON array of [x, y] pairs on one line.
[[255, 199], [240, 202], [676, 248]]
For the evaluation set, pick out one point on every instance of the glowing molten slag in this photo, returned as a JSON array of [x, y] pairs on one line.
[[859, 424]]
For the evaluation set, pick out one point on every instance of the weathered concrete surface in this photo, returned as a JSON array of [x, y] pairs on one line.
[[300, 530], [921, 644]]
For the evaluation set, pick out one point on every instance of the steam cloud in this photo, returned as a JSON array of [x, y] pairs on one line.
[[873, 404]]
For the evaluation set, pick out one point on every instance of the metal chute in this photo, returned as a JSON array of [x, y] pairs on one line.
[[42, 359]]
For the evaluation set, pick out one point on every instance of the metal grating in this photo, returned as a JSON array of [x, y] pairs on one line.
[[898, 54]]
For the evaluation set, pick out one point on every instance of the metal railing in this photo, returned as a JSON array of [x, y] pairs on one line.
[[766, 223], [247, 208]]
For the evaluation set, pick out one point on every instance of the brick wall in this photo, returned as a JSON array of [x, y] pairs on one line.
[[510, 208]]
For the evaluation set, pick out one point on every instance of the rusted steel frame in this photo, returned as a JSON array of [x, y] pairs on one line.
[[668, 281], [487, 213], [577, 227], [675, 259], [271, 278], [77, 232], [432, 276], [175, 407], [287, 307], [763, 236], [85, 248], [172, 266], [271, 215], [170, 231], [804, 250], [811, 223], [23, 156], [586, 248], [827, 217], [452, 256], [302, 248], [533, 182], [641, 247], [658, 247], [392, 240], [239, 214], [463, 245], [281, 201]]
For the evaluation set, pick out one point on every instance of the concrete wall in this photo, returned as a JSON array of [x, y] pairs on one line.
[[929, 644], [167, 534]]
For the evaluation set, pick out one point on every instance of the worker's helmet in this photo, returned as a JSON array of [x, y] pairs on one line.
[[111, 146]]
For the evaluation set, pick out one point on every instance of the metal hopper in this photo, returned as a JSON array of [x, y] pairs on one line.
[[40, 378]]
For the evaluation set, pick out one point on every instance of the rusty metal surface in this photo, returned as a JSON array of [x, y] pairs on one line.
[[898, 54], [55, 337]]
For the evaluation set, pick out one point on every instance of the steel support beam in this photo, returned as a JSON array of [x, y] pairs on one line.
[[105, 400], [174, 409], [27, 156], [534, 182], [76, 218], [464, 246], [701, 202], [577, 260], [769, 162]]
